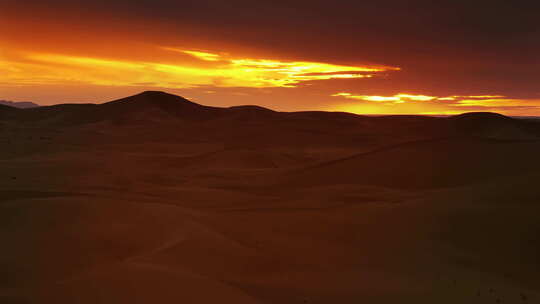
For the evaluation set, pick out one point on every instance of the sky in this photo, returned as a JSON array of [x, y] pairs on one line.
[[366, 57]]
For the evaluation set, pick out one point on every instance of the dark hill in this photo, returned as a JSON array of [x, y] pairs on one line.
[[251, 113], [151, 105], [5, 108], [61, 114], [7, 111], [490, 125], [474, 121], [252, 108]]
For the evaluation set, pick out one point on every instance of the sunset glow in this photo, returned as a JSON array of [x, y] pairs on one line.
[[398, 98], [285, 59], [197, 54], [402, 97], [223, 72], [419, 104]]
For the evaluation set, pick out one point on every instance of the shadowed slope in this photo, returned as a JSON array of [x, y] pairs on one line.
[[491, 125], [7, 111], [5, 108], [19, 104], [62, 114], [427, 164]]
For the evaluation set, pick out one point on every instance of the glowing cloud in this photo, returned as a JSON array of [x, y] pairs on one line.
[[209, 70], [429, 105], [200, 55], [398, 98], [489, 100]]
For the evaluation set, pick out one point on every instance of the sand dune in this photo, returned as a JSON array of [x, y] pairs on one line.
[[428, 164], [154, 199], [494, 125], [5, 111]]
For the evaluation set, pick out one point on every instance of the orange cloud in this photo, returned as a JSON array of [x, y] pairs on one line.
[[197, 54], [208, 69], [398, 98]]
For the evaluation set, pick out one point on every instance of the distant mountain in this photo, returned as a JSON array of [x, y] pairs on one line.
[[19, 104]]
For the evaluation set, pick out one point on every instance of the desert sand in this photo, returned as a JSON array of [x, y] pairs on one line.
[[155, 199]]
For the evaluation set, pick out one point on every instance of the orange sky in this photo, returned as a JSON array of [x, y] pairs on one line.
[[63, 51]]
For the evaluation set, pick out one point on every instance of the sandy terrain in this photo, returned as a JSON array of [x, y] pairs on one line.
[[153, 199]]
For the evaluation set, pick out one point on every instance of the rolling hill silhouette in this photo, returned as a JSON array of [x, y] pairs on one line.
[[168, 106], [158, 107], [150, 106]]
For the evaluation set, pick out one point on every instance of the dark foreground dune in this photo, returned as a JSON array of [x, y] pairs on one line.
[[154, 199]]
